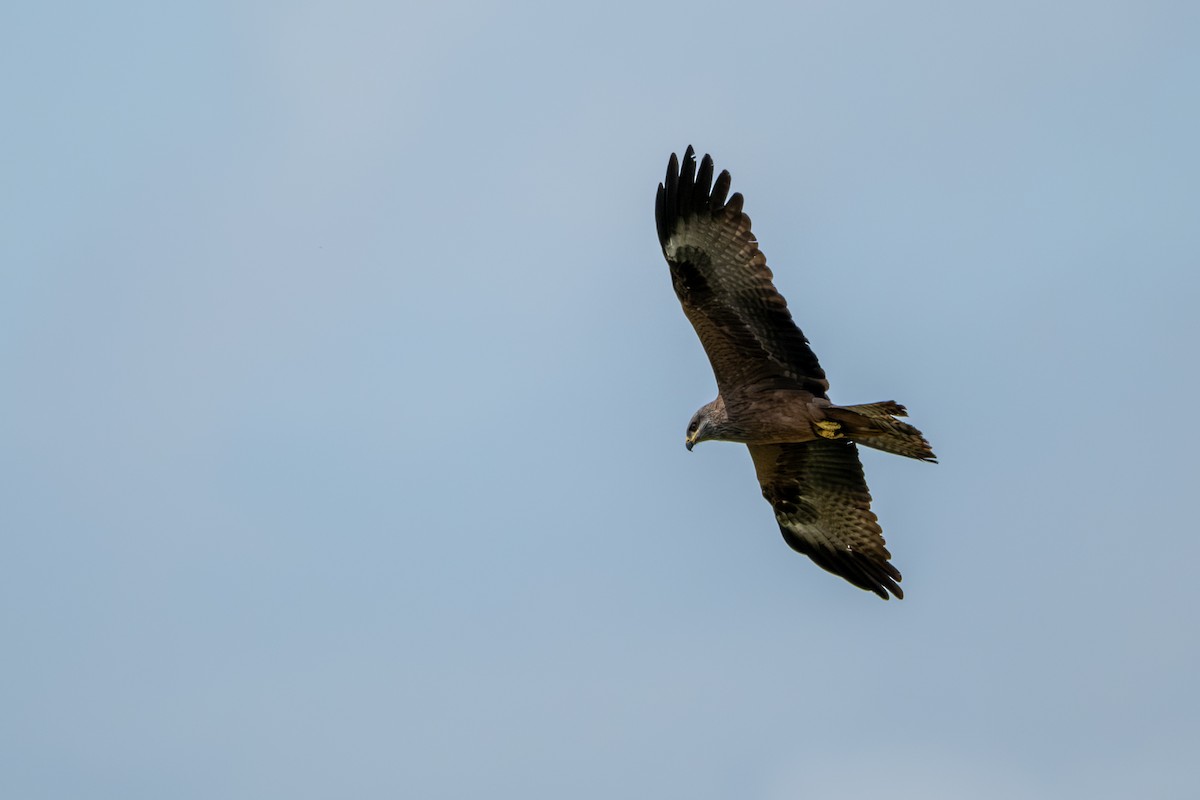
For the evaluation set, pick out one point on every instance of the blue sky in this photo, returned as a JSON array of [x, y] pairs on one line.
[[346, 392]]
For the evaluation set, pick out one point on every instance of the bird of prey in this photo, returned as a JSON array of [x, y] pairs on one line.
[[771, 390]]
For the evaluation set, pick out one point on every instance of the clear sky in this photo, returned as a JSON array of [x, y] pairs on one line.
[[344, 394]]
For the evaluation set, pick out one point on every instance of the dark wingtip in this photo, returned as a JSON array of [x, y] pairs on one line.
[[704, 181], [660, 215], [883, 581], [687, 184], [666, 204], [672, 180], [873, 575], [720, 190], [688, 190], [884, 584]]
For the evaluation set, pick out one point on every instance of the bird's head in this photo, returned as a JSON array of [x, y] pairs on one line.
[[705, 424]]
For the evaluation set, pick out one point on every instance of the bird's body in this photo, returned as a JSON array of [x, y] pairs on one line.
[[772, 393], [767, 416]]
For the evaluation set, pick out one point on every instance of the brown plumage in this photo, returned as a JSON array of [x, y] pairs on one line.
[[771, 388]]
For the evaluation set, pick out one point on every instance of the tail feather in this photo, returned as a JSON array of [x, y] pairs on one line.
[[887, 408], [875, 425]]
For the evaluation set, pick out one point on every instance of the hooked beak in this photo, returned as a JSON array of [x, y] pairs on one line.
[[690, 442]]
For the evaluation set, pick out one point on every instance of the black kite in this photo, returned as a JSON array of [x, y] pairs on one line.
[[771, 389]]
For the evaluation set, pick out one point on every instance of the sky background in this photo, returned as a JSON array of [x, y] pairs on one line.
[[344, 393]]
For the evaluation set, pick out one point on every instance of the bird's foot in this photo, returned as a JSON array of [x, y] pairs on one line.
[[830, 429]]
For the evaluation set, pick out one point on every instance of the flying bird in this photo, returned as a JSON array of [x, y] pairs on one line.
[[771, 390]]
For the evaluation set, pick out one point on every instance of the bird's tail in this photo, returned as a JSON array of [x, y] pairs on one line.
[[875, 425]]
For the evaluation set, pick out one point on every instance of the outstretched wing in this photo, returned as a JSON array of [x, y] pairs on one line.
[[724, 284], [823, 508]]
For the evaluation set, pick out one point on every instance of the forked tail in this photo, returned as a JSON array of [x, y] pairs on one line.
[[875, 425]]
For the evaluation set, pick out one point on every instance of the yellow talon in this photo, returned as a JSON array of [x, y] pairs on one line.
[[830, 430]]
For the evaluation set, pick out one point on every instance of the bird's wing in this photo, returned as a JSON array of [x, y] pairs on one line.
[[823, 508], [724, 284]]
